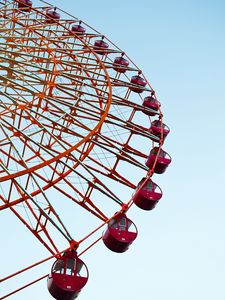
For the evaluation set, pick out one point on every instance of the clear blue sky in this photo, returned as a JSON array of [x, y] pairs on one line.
[[179, 253]]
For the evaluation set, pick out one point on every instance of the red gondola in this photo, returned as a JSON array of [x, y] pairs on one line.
[[52, 16], [148, 195], [138, 82], [78, 29], [153, 104], [156, 128], [68, 276], [120, 64], [25, 5], [100, 47], [120, 234], [162, 162]]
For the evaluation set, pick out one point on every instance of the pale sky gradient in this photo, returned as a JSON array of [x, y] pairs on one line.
[[180, 250]]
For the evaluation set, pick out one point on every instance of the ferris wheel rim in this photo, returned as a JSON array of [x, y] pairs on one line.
[[123, 151]]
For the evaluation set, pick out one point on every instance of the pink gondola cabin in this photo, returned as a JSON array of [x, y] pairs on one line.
[[52, 16], [138, 84], [159, 130], [120, 64], [153, 104], [100, 47], [147, 195], [25, 5], [78, 29], [68, 276], [162, 162], [120, 234]]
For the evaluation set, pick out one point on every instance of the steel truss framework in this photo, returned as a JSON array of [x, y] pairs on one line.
[[69, 125]]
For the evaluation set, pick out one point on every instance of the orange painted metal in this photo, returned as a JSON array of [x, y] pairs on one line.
[[70, 129]]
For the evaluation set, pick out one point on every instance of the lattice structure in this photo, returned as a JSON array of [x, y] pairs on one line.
[[71, 124]]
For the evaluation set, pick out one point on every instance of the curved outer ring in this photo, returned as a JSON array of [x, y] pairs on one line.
[[85, 139]]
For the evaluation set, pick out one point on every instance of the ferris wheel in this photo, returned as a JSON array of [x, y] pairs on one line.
[[81, 132]]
